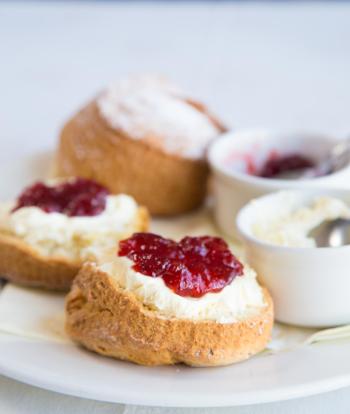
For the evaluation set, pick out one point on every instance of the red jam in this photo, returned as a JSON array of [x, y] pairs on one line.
[[277, 165], [192, 267], [78, 197]]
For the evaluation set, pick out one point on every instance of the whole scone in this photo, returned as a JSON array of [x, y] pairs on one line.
[[143, 137], [116, 311]]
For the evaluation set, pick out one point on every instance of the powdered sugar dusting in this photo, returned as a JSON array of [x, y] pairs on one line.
[[153, 110]]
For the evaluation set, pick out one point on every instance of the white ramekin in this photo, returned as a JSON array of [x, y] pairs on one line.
[[232, 187], [310, 286]]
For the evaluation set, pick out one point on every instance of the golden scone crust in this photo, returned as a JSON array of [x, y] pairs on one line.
[[106, 319], [22, 264], [165, 184]]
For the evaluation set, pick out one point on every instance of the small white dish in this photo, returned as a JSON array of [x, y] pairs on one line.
[[310, 285], [234, 152]]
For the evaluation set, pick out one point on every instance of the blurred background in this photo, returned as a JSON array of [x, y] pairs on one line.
[[273, 64]]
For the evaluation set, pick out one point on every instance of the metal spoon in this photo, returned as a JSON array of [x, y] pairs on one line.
[[332, 233], [338, 158]]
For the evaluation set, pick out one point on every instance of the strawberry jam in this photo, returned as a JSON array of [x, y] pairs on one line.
[[78, 197], [192, 267], [277, 165]]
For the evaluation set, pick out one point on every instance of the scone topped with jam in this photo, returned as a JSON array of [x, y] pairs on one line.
[[157, 301], [52, 228]]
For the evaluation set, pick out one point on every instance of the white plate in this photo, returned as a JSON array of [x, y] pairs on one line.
[[71, 370]]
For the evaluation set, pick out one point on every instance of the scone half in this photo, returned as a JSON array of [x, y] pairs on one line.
[[23, 264], [45, 249], [108, 319]]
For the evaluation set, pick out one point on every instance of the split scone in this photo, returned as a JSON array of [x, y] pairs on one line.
[[50, 230], [155, 301], [143, 137]]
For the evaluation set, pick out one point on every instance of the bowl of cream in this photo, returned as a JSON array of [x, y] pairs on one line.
[[310, 285]]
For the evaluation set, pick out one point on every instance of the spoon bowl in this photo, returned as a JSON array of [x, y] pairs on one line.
[[332, 233]]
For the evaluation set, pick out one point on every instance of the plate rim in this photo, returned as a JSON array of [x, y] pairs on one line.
[[284, 393]]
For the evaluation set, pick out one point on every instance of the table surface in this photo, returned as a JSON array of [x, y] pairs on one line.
[[272, 65]]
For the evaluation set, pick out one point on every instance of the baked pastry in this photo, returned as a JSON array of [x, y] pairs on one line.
[[142, 137], [50, 230], [155, 301]]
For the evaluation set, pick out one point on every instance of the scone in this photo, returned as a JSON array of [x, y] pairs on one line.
[[50, 230], [143, 137], [153, 301]]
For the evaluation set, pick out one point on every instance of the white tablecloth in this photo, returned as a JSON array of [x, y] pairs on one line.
[[275, 65], [16, 398]]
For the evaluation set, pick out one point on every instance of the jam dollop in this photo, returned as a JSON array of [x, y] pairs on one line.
[[277, 165], [191, 267], [77, 197]]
